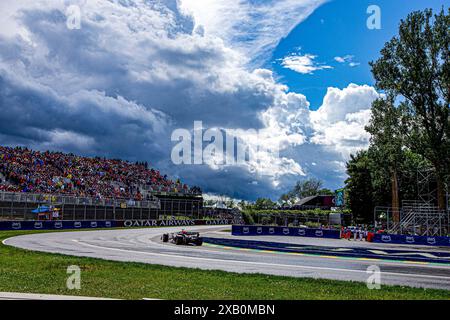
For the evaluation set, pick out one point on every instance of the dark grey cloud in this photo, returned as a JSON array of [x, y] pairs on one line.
[[134, 72]]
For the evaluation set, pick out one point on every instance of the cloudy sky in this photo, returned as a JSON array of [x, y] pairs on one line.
[[120, 77]]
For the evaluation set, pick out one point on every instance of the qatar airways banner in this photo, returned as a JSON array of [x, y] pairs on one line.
[[176, 223], [87, 224]]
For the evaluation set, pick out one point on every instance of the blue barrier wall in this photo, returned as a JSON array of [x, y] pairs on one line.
[[284, 231], [90, 224], [401, 254], [415, 240], [55, 225]]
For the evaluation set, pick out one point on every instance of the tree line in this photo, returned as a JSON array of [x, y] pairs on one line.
[[410, 122], [302, 189]]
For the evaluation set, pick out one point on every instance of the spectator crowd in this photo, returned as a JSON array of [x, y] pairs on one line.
[[47, 172]]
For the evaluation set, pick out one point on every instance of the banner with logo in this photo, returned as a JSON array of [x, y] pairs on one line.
[[414, 240], [175, 223], [339, 198], [86, 224], [284, 231], [55, 225]]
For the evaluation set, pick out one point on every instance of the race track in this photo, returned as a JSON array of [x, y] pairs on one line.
[[143, 245]]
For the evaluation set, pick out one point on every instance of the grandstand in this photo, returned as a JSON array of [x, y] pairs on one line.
[[85, 188]]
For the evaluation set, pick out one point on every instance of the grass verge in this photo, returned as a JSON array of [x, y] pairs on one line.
[[33, 272]]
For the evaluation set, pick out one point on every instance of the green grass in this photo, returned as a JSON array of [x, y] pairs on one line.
[[32, 272]]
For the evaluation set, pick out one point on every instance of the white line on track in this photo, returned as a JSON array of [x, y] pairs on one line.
[[222, 252], [260, 263], [370, 261]]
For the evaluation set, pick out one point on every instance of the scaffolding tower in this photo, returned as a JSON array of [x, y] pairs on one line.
[[426, 185], [418, 217]]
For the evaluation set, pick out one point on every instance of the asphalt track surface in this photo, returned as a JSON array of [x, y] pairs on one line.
[[144, 245]]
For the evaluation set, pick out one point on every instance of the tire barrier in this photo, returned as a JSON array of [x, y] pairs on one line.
[[347, 252], [412, 240], [239, 230]]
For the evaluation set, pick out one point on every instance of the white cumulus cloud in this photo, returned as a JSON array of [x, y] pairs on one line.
[[304, 64], [137, 70], [341, 119]]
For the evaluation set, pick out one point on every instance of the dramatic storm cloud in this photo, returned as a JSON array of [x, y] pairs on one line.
[[137, 70], [251, 27]]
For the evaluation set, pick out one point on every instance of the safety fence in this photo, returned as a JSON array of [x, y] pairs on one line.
[[20, 206], [32, 198]]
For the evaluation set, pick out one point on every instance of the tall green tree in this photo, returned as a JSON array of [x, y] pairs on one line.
[[415, 66], [370, 181], [387, 142], [359, 186]]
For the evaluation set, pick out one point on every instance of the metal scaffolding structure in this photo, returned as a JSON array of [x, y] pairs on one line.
[[423, 218], [426, 185], [417, 217]]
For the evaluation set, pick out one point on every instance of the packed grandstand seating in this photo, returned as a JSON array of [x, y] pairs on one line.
[[24, 170]]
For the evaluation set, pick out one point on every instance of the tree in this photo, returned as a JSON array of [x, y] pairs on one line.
[[264, 204], [243, 205], [307, 188], [359, 186], [415, 66], [326, 192], [387, 141], [370, 182], [230, 204], [303, 189], [285, 199]]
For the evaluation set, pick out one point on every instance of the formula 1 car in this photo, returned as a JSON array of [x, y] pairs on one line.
[[183, 238]]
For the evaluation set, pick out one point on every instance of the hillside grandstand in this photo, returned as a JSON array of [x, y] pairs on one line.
[[83, 188]]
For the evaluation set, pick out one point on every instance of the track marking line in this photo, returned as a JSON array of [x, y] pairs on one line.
[[260, 263], [390, 261]]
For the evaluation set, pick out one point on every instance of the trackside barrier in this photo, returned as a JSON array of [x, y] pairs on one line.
[[238, 230], [412, 240], [91, 224], [55, 225]]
